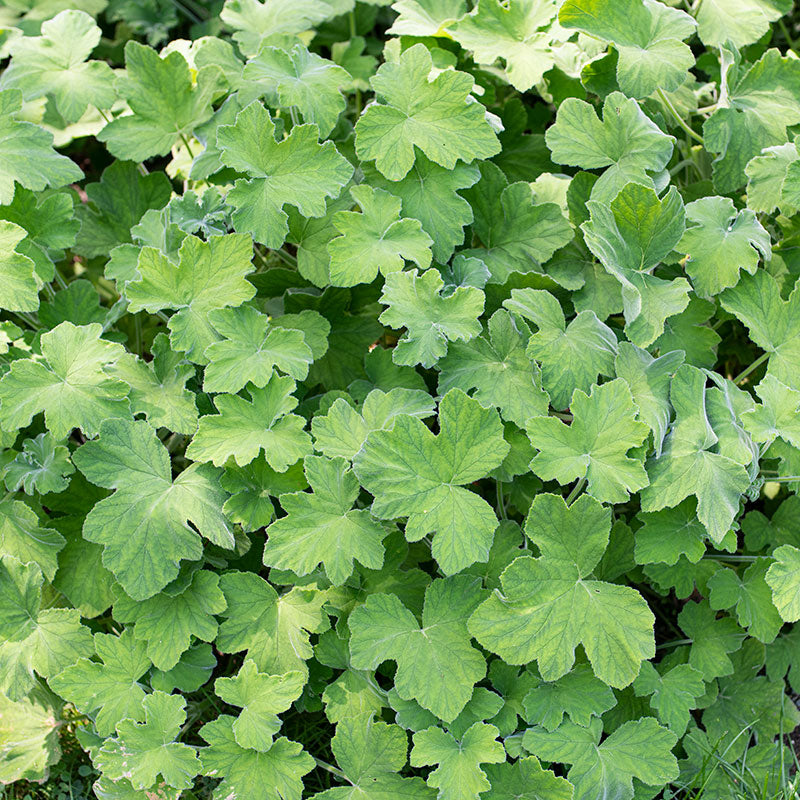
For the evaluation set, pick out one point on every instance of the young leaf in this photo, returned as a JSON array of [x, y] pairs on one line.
[[595, 445], [571, 356], [431, 319], [413, 473], [141, 751], [437, 115], [458, 774], [55, 64], [27, 156], [436, 664], [166, 103], [144, 525], [274, 775], [69, 383], [549, 605], [302, 79], [321, 527], [639, 748], [209, 275], [168, 621], [376, 240], [297, 170], [630, 237], [262, 697], [648, 36], [721, 243], [627, 143], [109, 691], [244, 427]]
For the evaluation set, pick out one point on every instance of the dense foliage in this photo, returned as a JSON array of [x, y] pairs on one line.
[[400, 401]]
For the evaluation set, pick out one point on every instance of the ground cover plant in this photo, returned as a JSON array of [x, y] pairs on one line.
[[399, 401]]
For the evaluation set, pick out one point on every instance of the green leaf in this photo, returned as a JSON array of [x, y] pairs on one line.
[[33, 639], [251, 487], [209, 275], [55, 64], [630, 237], [320, 527], [578, 694], [431, 319], [436, 664], [251, 348], [649, 380], [672, 695], [158, 388], [571, 356], [639, 749], [376, 240], [26, 153], [518, 234], [436, 115], [20, 283], [273, 629], [371, 753], [549, 605], [244, 427], [343, 430], [144, 525], [297, 170], [429, 193], [166, 103], [109, 691], [627, 144], [261, 697], [769, 184], [43, 466], [750, 596], [495, 366], [29, 736], [667, 535], [759, 105], [274, 775], [22, 537], [69, 383], [741, 22], [689, 466], [595, 445], [647, 35], [513, 32], [413, 473], [168, 620], [773, 323], [712, 639], [302, 79], [458, 774], [255, 22], [141, 752], [721, 243], [776, 416], [525, 779], [783, 578], [115, 204]]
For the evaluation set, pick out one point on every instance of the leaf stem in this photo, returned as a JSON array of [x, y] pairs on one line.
[[674, 643], [726, 557], [187, 146], [333, 770], [60, 280], [501, 504], [287, 258], [755, 365], [576, 490], [678, 118], [783, 479]]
